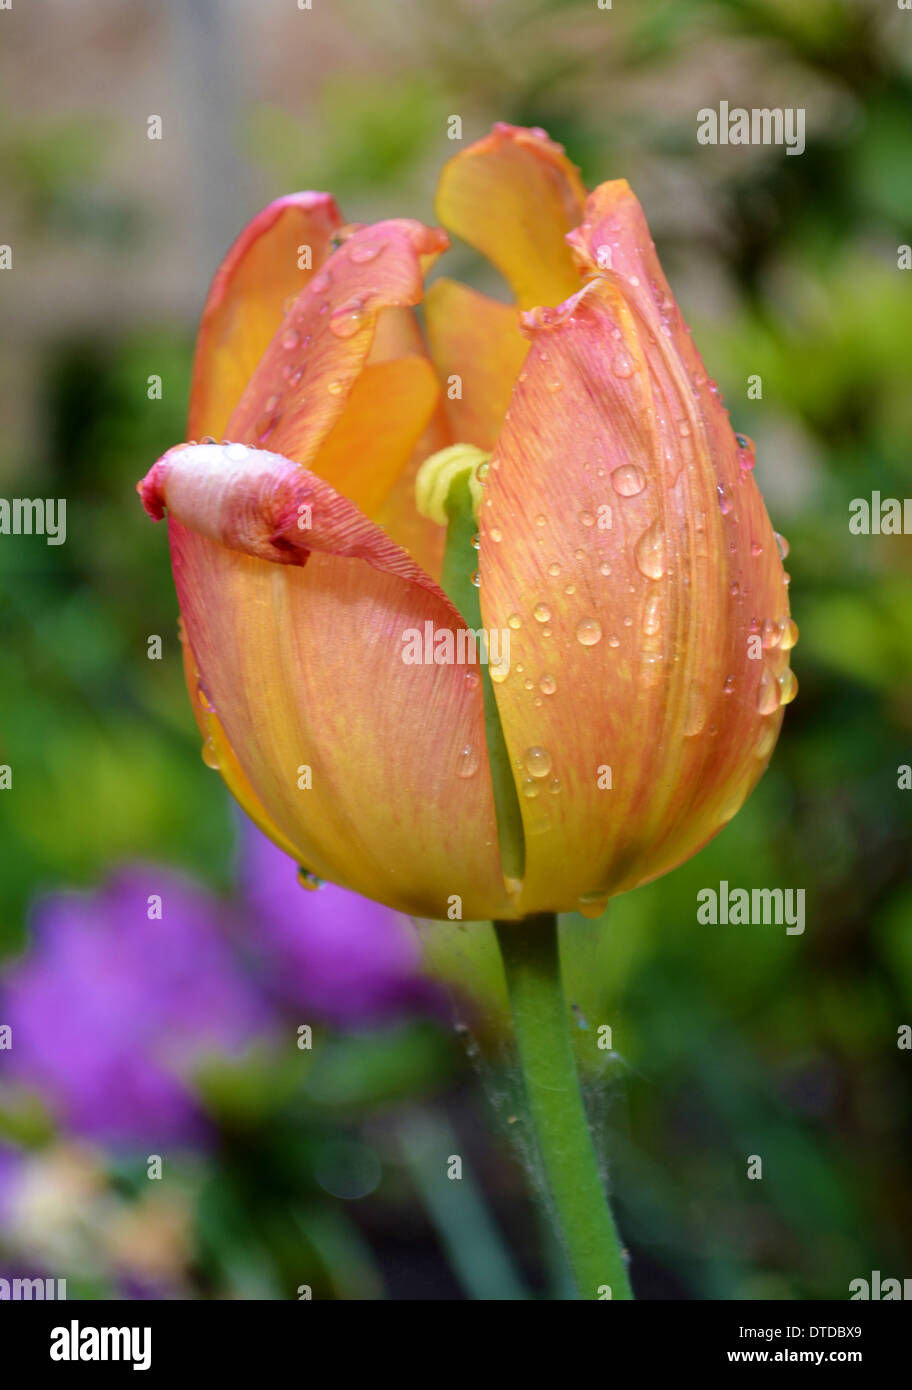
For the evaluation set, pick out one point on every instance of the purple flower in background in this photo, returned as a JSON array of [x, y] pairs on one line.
[[348, 959], [111, 1005]]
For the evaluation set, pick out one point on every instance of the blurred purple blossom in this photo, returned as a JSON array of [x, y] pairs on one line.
[[111, 1007], [350, 960]]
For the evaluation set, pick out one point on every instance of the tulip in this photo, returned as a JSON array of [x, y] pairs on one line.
[[623, 546]]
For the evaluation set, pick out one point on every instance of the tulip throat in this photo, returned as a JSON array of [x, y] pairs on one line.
[[448, 490]]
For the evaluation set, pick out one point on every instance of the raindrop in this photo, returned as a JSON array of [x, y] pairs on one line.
[[210, 758], [628, 480], [514, 621], [788, 687], [537, 761], [767, 693], [588, 632], [650, 553], [695, 714], [467, 764], [348, 320], [789, 634], [783, 545], [363, 251], [547, 685], [541, 612], [530, 788]]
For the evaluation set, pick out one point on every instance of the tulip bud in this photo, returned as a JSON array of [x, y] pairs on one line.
[[623, 547]]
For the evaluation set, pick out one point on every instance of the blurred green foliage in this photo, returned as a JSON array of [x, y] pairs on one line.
[[728, 1041]]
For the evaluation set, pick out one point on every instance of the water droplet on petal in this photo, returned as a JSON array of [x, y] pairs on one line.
[[622, 364], [537, 761], [547, 685], [650, 552], [514, 621], [467, 763], [588, 632], [530, 788], [335, 388], [788, 686], [363, 251], [767, 693], [628, 480], [210, 758], [307, 879], [695, 713], [783, 545], [592, 905], [348, 319], [789, 634], [541, 612], [290, 340]]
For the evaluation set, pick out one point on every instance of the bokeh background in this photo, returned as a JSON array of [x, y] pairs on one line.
[[284, 1166]]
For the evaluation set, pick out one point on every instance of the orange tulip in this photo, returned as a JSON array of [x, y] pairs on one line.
[[623, 546]]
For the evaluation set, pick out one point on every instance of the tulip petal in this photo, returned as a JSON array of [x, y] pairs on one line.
[[298, 635], [476, 339], [514, 196], [245, 302], [624, 532], [308, 382]]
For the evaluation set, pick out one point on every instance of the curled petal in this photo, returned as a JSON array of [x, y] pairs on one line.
[[623, 532], [302, 385], [298, 637], [514, 196], [245, 302]]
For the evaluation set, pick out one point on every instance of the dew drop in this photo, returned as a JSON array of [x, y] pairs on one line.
[[628, 480], [554, 569], [496, 534], [586, 519], [767, 693], [788, 687], [290, 340], [622, 364], [265, 426], [537, 761], [588, 632], [530, 788], [467, 763], [592, 905], [236, 452], [547, 685], [348, 319], [476, 579], [541, 612], [335, 388], [307, 879], [789, 634], [514, 621], [695, 713], [650, 553], [725, 502], [783, 545], [363, 251], [210, 758]]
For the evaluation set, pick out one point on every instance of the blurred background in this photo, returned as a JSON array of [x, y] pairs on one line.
[[283, 1165]]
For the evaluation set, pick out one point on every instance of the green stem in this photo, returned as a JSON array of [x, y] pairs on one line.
[[531, 957]]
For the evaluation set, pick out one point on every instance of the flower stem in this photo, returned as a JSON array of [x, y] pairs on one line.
[[531, 957]]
